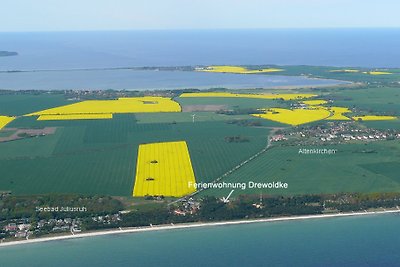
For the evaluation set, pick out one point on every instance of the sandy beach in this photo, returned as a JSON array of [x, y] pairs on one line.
[[190, 225]]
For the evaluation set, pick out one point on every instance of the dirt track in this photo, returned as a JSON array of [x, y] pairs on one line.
[[27, 133]]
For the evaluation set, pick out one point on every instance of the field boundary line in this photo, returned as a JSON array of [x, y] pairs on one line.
[[234, 169]]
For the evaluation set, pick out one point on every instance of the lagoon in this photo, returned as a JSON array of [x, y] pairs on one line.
[[147, 80]]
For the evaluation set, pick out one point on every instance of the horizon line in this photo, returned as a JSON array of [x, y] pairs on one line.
[[205, 29]]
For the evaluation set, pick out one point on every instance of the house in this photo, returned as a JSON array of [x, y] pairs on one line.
[[20, 234], [11, 227], [23, 226]]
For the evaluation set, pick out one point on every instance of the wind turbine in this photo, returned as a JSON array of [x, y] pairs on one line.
[[193, 116]]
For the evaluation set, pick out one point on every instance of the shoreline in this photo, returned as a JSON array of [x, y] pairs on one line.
[[192, 225]]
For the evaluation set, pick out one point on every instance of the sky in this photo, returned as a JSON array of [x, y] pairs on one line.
[[81, 15]]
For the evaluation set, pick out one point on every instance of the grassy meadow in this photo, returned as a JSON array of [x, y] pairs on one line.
[[371, 167]]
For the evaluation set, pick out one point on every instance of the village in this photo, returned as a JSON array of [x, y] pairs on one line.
[[333, 133], [25, 228]]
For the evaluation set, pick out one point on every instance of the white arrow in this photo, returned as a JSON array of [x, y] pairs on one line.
[[226, 199]]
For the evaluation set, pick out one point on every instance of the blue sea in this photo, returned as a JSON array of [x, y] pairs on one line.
[[347, 241], [320, 47], [121, 49]]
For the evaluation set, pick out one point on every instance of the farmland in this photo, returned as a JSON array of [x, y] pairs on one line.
[[311, 112], [338, 113], [89, 116], [177, 117], [99, 156], [229, 102], [21, 104], [295, 116], [94, 144], [121, 105], [374, 118], [290, 96], [4, 120], [354, 168], [379, 73], [373, 100], [164, 169]]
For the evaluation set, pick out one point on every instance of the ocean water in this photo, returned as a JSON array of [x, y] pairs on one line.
[[71, 50], [348, 241]]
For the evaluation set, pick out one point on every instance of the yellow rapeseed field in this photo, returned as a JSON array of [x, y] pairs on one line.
[[374, 118], [122, 105], [4, 120], [237, 69], [295, 116], [316, 102], [262, 96], [378, 72], [337, 113], [364, 72], [164, 169], [75, 117]]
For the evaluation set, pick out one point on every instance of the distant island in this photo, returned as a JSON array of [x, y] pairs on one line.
[[8, 53]]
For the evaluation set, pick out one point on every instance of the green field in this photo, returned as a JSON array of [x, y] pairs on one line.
[[6, 133], [230, 102], [41, 146], [392, 124], [99, 157], [372, 100], [185, 117], [351, 169], [16, 105]]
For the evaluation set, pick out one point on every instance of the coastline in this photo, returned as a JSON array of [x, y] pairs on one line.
[[191, 225]]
